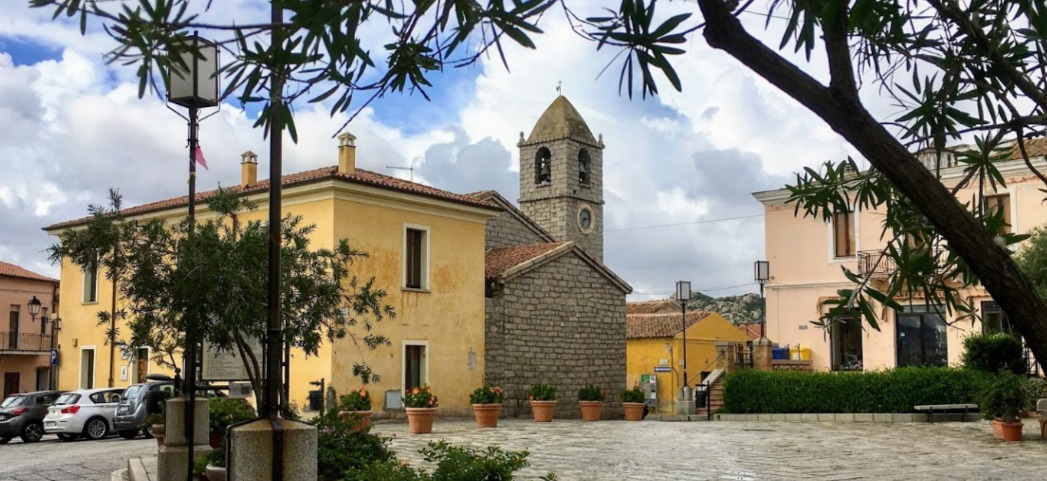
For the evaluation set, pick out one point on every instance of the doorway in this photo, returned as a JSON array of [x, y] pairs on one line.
[[141, 364], [846, 341], [12, 380], [415, 368]]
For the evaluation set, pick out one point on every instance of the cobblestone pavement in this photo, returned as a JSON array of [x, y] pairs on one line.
[[741, 451], [51, 459]]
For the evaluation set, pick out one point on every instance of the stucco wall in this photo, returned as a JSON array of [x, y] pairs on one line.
[[562, 324], [33, 348]]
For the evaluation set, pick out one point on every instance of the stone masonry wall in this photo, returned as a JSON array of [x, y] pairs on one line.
[[507, 231], [561, 324]]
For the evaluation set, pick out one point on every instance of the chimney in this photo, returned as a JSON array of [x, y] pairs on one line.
[[248, 168], [346, 153]]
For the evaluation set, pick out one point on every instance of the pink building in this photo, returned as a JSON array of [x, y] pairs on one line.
[[25, 339], [806, 256]]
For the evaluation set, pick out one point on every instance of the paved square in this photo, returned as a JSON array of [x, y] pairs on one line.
[[653, 450]]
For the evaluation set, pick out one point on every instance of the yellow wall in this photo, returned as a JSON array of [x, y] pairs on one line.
[[450, 317], [643, 355]]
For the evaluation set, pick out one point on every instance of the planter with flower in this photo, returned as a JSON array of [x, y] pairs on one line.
[[1001, 400], [224, 412], [543, 402], [155, 426], [632, 403], [590, 398], [420, 404], [356, 406], [487, 405]]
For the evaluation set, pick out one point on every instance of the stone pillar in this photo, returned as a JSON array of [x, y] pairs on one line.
[[250, 456], [762, 354], [727, 356], [173, 457]]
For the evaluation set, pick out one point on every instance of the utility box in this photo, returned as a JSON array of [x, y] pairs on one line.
[[649, 386]]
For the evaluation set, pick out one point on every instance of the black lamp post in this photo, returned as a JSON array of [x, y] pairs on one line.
[[34, 308], [193, 84], [56, 325], [762, 274], [683, 294]]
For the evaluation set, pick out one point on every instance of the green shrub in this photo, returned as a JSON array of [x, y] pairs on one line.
[[1003, 396], [453, 463], [590, 392], [1035, 389], [225, 412], [541, 392], [487, 395], [634, 395], [993, 352], [343, 448], [355, 400], [895, 390]]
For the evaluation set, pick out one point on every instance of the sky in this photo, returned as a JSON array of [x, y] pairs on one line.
[[679, 168]]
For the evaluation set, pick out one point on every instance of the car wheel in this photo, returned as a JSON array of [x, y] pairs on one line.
[[4, 440], [148, 431], [32, 432], [67, 437], [96, 428], [128, 434]]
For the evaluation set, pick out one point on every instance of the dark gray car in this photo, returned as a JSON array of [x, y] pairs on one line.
[[139, 401], [23, 414]]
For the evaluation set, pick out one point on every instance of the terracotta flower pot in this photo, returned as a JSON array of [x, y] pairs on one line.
[[591, 410], [542, 411], [362, 418], [633, 411], [1007, 431], [158, 433], [487, 415], [420, 420]]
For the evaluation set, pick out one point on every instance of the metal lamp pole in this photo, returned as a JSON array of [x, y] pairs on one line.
[[56, 325], [762, 274], [683, 294]]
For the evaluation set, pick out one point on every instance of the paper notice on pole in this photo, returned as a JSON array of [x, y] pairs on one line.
[[227, 365]]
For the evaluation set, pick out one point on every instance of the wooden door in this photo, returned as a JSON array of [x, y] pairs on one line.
[[142, 365], [11, 382]]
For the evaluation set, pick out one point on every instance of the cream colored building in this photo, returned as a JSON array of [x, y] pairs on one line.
[[806, 256]]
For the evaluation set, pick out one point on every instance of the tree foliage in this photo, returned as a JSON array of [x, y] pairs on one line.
[[953, 69], [211, 281]]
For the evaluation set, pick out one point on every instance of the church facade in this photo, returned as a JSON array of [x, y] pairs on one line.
[[555, 314]]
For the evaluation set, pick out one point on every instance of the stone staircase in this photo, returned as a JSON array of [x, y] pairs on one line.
[[715, 398]]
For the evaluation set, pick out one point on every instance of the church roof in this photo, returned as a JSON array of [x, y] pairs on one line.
[[561, 121], [10, 270], [360, 176], [644, 326], [507, 263], [494, 198]]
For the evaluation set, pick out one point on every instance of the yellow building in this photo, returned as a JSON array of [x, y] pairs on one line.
[[426, 249], [654, 347]]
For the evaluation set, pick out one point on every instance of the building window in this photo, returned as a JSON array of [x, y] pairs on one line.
[[12, 331], [920, 337], [543, 166], [416, 368], [91, 284], [583, 167], [994, 319], [843, 234], [1000, 204], [43, 320], [87, 368], [416, 258]]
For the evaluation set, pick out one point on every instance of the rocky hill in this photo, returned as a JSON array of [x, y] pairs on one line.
[[743, 309]]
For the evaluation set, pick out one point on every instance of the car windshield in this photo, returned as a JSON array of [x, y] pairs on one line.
[[131, 393], [13, 401], [67, 398]]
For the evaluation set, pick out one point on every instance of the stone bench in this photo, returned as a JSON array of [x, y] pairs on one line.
[[1041, 409], [932, 408]]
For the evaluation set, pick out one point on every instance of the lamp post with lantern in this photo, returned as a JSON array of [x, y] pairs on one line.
[[762, 274], [683, 295], [56, 326]]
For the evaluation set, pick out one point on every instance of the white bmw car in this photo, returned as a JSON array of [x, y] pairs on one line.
[[85, 412]]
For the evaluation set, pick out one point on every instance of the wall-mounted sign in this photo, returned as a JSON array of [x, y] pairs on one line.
[[663, 369], [227, 365]]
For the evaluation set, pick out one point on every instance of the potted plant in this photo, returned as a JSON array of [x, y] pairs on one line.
[[356, 406], [590, 398], [156, 423], [216, 465], [1001, 400], [633, 403], [420, 404], [225, 412], [487, 405], [543, 402]]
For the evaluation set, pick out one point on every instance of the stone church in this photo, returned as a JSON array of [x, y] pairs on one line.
[[555, 314]]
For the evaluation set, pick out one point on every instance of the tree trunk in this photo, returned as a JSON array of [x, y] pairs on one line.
[[845, 114]]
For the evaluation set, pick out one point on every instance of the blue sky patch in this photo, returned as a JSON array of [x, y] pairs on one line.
[[25, 51]]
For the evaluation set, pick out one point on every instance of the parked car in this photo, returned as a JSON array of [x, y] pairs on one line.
[[85, 412], [141, 400], [22, 415]]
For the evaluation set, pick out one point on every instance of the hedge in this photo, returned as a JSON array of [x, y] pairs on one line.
[[895, 390]]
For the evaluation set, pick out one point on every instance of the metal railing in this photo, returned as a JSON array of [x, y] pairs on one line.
[[24, 341], [873, 263]]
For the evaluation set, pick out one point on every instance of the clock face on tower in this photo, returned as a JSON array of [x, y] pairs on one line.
[[585, 219]]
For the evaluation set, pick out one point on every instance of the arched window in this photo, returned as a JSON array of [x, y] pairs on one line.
[[583, 167], [543, 166]]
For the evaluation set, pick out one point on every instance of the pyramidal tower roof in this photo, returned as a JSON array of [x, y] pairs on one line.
[[561, 120]]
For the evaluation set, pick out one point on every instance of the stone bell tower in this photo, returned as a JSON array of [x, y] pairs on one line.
[[561, 177]]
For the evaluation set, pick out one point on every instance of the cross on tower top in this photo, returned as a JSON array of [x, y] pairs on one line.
[[559, 84]]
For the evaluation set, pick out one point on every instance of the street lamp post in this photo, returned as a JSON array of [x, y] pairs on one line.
[[762, 274], [34, 310], [193, 84], [56, 325], [683, 294]]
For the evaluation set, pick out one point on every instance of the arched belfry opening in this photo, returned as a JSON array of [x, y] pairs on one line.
[[584, 167], [543, 166]]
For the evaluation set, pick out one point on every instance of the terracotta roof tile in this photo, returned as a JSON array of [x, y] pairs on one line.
[[652, 307], [643, 326], [498, 261], [1035, 147], [361, 176], [10, 270], [753, 331]]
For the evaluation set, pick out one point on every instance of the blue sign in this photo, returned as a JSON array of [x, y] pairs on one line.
[[54, 357], [663, 369]]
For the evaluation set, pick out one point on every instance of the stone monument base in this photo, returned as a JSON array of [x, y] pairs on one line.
[[172, 462], [250, 456]]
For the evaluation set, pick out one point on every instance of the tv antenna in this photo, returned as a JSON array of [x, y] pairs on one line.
[[409, 169]]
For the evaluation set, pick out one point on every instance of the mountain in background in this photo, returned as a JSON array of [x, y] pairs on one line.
[[743, 309]]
